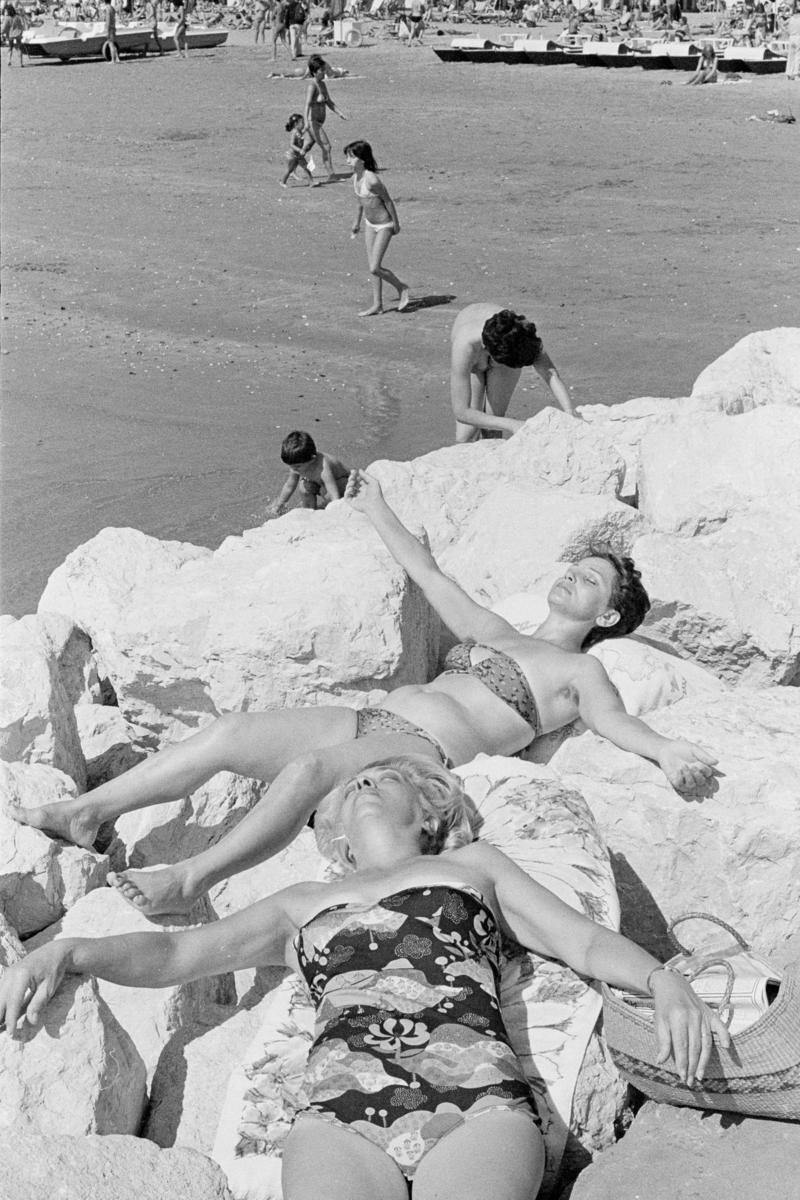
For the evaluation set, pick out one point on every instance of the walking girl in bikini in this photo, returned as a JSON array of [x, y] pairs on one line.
[[318, 101], [381, 223]]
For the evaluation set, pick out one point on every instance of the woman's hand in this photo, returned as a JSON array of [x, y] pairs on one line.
[[356, 230], [685, 1027], [688, 767], [28, 986], [363, 492]]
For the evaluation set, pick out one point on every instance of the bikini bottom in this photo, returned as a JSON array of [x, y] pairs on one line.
[[383, 225], [380, 720]]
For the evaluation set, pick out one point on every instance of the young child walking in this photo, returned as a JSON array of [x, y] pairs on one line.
[[295, 156], [381, 223], [321, 477]]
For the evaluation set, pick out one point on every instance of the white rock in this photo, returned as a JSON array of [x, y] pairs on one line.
[[150, 1016], [105, 1168], [188, 1088], [549, 526], [72, 648], [762, 368], [110, 744], [732, 853], [179, 829], [693, 479], [76, 1072], [308, 610], [442, 489], [37, 721], [11, 948], [729, 600], [40, 877]]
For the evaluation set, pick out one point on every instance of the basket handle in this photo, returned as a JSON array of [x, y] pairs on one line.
[[701, 916], [723, 1008]]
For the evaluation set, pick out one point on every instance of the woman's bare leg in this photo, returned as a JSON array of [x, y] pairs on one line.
[[321, 1159], [499, 1154], [256, 744], [477, 400], [377, 243], [274, 822]]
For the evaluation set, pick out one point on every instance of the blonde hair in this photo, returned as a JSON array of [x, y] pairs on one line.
[[455, 818]]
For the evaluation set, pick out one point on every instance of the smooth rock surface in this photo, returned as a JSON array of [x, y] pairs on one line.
[[733, 853], [37, 719], [441, 490], [684, 1154], [730, 600], [309, 609], [150, 1016], [105, 1168], [110, 745], [40, 877], [550, 527], [77, 1072], [692, 481], [762, 368], [188, 1088], [179, 829]]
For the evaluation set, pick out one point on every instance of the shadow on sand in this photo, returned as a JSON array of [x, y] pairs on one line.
[[426, 302]]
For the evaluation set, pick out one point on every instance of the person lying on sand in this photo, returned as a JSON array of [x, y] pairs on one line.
[[500, 690], [402, 958], [489, 346]]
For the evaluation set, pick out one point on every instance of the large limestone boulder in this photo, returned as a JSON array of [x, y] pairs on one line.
[[731, 853], [550, 526], [37, 718], [150, 1016], [441, 490], [692, 481], [306, 610], [168, 833], [189, 1085], [684, 1154], [76, 1072], [730, 600], [105, 1168], [40, 877], [762, 368], [110, 744]]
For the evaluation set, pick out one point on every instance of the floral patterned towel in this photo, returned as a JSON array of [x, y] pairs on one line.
[[549, 1011]]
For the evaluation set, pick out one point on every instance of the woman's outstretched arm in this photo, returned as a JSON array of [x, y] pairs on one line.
[[460, 612], [256, 936], [542, 922]]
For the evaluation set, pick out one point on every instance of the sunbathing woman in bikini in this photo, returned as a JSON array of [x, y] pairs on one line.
[[402, 959], [499, 691]]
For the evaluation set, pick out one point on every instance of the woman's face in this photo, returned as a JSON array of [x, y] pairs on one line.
[[382, 795], [353, 160]]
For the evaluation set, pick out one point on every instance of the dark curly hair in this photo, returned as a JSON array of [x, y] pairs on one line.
[[511, 340], [297, 448], [628, 597]]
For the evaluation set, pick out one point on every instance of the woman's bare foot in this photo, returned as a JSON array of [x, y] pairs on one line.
[[68, 820], [371, 312], [154, 890], [404, 299]]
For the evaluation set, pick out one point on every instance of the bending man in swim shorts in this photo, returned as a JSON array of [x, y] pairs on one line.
[[489, 347], [500, 689]]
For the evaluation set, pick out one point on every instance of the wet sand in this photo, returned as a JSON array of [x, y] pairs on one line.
[[170, 312]]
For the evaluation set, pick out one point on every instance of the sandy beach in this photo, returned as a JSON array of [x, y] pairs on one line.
[[170, 313]]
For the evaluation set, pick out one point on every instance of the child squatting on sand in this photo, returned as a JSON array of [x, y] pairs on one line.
[[321, 477]]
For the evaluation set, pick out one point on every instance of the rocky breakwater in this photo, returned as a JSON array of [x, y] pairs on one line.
[[138, 641]]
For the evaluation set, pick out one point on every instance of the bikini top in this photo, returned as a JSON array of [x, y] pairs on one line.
[[364, 192], [501, 675]]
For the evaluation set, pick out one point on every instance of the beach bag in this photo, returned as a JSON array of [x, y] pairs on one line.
[[759, 1075]]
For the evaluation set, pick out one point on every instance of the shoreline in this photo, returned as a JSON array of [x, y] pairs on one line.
[[170, 315]]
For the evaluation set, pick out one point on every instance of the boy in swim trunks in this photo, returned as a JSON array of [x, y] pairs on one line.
[[321, 477]]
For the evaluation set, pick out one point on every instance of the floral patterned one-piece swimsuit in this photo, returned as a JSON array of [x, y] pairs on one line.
[[409, 1039]]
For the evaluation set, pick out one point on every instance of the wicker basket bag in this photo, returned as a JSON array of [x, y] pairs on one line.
[[759, 1075]]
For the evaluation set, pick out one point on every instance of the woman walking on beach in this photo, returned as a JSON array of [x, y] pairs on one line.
[[180, 28], [318, 101], [380, 220]]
